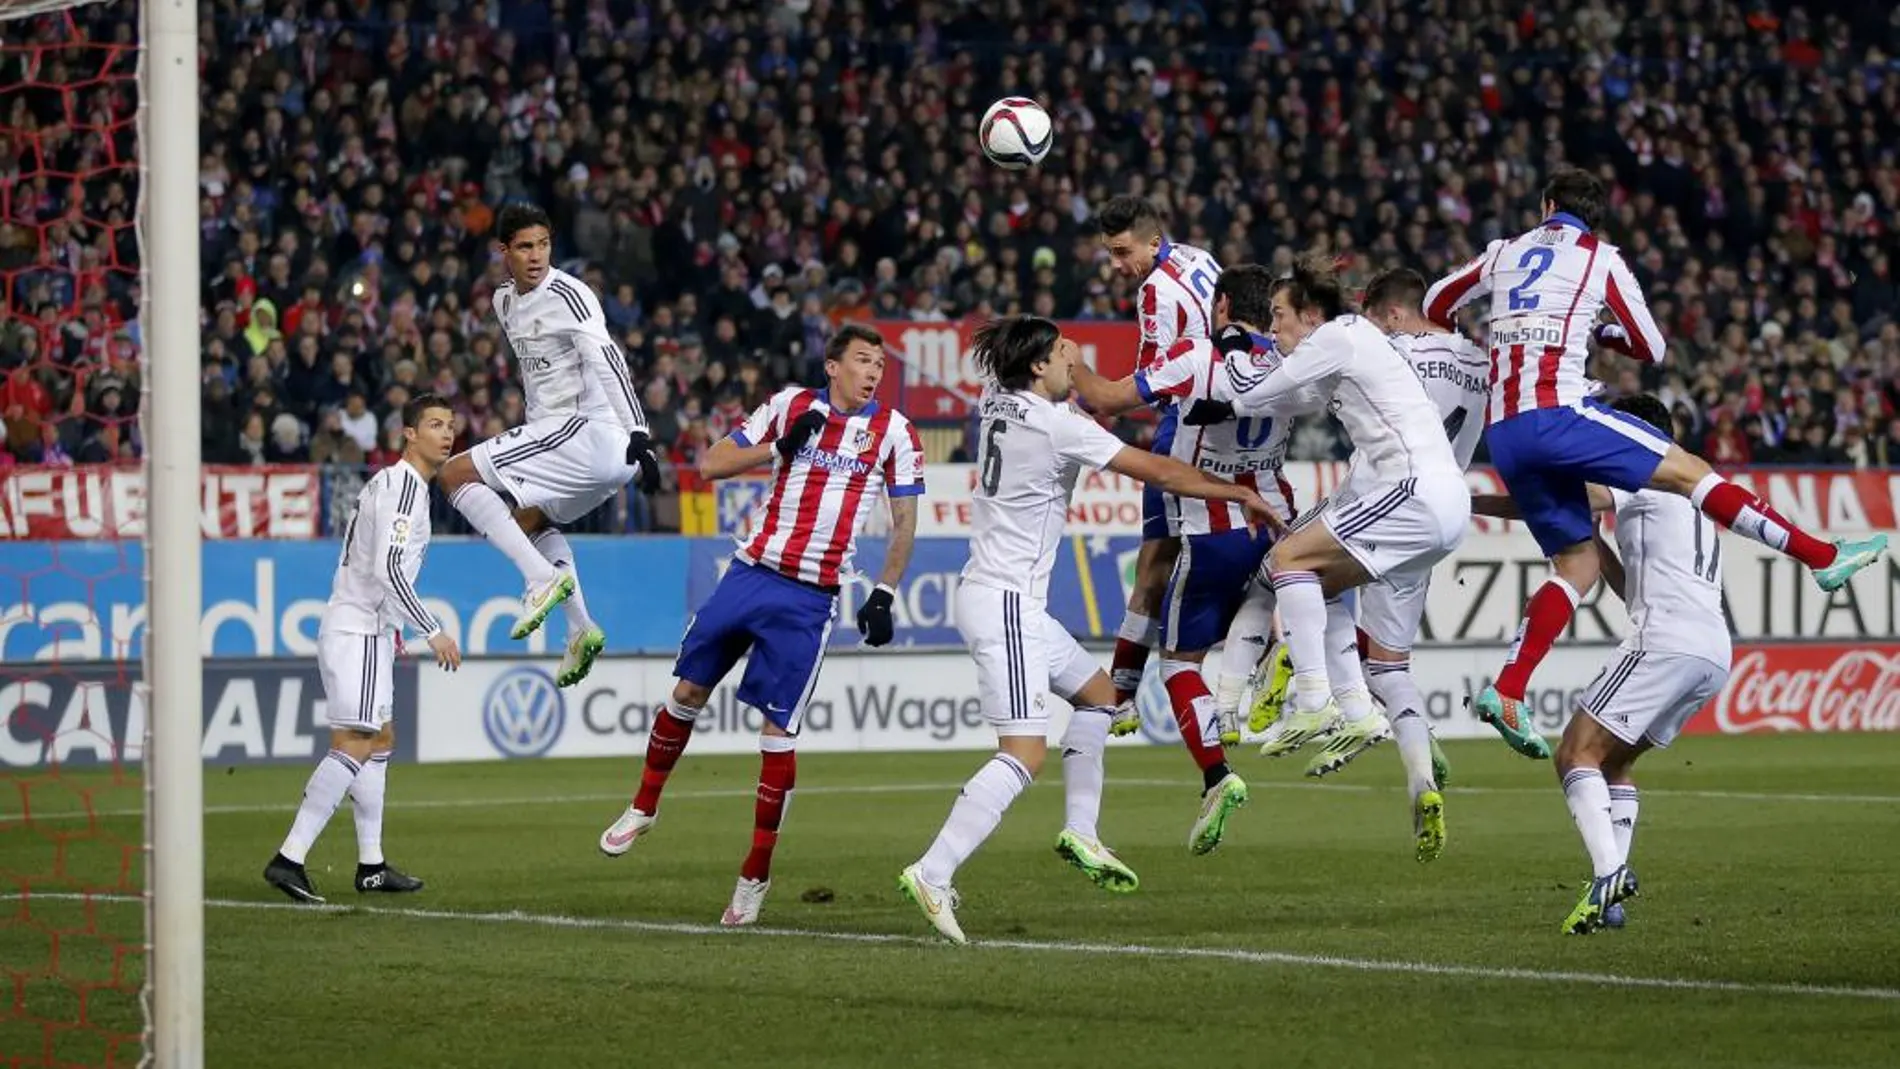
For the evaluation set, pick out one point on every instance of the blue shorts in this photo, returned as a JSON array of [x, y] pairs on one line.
[[1208, 584], [783, 622], [1154, 503], [1546, 455]]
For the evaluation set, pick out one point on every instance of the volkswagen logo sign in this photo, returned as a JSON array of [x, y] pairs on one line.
[[523, 713], [1157, 712]]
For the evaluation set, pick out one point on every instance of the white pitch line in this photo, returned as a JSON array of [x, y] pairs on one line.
[[1113, 950], [927, 788]]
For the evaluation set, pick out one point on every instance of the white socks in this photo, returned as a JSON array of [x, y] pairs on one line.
[[974, 817], [488, 513], [1303, 622], [1247, 640], [1083, 746], [1393, 685], [321, 795], [1342, 662], [554, 548], [1623, 817], [366, 793], [1589, 798]]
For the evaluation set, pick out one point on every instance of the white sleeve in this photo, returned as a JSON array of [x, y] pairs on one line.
[[1307, 374], [398, 506], [608, 368], [1082, 440]]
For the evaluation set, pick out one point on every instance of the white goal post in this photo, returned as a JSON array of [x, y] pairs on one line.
[[174, 681]]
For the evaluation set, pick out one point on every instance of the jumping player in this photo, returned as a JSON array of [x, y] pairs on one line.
[[372, 596], [833, 452], [585, 438], [1548, 440], [1176, 301], [1033, 448], [1219, 552], [1674, 660]]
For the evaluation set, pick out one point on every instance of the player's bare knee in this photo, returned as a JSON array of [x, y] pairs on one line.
[[357, 744], [690, 695], [1580, 566], [1098, 692], [385, 740], [1028, 751], [457, 473], [1680, 471], [1585, 744], [531, 521]]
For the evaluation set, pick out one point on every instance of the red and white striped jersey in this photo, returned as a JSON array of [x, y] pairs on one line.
[[1176, 300], [1249, 451], [807, 527], [1547, 288]]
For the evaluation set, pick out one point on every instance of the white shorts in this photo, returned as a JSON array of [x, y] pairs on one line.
[[565, 466], [359, 677], [1648, 694], [1390, 611], [1398, 531], [1022, 654]]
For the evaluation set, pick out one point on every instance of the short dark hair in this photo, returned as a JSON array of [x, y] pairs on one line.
[[517, 217], [1124, 214], [1648, 408], [413, 409], [1008, 349], [1249, 292], [1398, 287], [851, 332], [1579, 193], [1314, 283]]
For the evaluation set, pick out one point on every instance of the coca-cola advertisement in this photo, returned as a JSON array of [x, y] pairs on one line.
[[1807, 687]]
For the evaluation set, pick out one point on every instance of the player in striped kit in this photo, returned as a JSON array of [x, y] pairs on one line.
[[833, 452], [1176, 301], [1034, 447], [1219, 552], [585, 438], [1674, 660], [1548, 439], [371, 598]]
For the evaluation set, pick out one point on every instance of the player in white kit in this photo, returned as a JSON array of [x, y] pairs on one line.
[[1176, 301], [1403, 507], [585, 438], [372, 597], [1674, 660], [1033, 447], [1219, 553]]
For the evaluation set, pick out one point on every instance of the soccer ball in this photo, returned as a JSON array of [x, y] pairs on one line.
[[1016, 133]]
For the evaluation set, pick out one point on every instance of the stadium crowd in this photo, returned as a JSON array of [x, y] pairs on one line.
[[735, 179]]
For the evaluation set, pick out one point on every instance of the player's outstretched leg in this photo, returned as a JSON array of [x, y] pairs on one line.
[[483, 508], [666, 740], [1303, 622], [367, 791], [978, 810], [585, 639], [1501, 705], [778, 774]]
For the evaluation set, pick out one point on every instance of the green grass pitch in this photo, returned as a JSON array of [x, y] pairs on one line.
[[1768, 933]]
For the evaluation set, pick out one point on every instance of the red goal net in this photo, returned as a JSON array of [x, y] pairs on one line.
[[72, 928]]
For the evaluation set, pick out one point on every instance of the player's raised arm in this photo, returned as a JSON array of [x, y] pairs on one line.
[[1177, 478], [1461, 287], [1106, 396], [777, 429]]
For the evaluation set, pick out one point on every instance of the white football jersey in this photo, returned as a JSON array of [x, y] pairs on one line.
[[1176, 300], [375, 586], [1547, 288], [1394, 425], [1030, 451], [1454, 372], [1249, 451], [1672, 566], [569, 363]]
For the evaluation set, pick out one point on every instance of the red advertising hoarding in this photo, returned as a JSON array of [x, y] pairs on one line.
[[105, 502]]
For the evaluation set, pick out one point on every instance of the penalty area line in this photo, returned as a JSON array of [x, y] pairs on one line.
[[1235, 955]]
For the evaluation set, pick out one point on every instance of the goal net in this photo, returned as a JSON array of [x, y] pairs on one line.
[[78, 333]]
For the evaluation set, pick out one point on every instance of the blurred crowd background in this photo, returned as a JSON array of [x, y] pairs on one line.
[[735, 179]]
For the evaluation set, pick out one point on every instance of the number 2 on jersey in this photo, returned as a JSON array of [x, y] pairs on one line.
[[993, 456], [1527, 302]]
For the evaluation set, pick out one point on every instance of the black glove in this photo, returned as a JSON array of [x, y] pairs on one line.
[[640, 452], [1207, 411], [1233, 338], [799, 433], [874, 618]]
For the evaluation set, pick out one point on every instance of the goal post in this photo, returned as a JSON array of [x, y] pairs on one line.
[[174, 681]]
